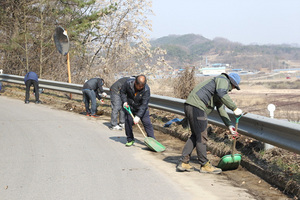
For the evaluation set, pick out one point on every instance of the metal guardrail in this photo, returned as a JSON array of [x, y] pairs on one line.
[[272, 131]]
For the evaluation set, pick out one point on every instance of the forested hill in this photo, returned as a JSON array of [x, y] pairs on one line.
[[192, 49]]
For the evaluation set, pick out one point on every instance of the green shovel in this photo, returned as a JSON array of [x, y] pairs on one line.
[[232, 161], [149, 141]]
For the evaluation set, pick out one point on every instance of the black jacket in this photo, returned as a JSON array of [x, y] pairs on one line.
[[138, 102], [96, 85], [116, 87]]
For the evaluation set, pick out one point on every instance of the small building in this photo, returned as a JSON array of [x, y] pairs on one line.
[[236, 70], [292, 70], [265, 70], [213, 70]]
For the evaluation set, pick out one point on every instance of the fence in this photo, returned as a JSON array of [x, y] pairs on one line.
[[272, 131]]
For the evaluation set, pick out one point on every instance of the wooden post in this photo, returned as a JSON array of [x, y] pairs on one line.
[[69, 71]]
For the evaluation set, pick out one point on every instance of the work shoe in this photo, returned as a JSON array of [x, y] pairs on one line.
[[88, 114], [27, 102], [128, 144], [38, 102], [122, 125], [116, 127], [208, 168], [95, 116], [182, 167]]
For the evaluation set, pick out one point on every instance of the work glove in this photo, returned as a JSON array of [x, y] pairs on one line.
[[136, 120], [101, 101], [125, 105], [238, 112], [104, 94], [234, 133]]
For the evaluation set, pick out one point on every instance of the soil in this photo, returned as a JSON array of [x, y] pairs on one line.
[[271, 174]]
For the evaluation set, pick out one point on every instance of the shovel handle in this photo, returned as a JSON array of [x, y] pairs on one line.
[[237, 120], [233, 150], [128, 109], [236, 129]]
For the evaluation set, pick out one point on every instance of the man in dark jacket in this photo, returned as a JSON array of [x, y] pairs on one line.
[[116, 105], [31, 78], [136, 94], [201, 102], [90, 91]]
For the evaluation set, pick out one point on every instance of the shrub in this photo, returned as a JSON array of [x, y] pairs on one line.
[[184, 83]]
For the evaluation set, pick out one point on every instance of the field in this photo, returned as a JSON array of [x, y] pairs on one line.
[[255, 95], [276, 169]]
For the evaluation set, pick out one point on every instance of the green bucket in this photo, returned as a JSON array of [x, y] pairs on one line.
[[230, 162]]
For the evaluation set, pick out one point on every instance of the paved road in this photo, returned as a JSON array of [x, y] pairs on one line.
[[52, 154]]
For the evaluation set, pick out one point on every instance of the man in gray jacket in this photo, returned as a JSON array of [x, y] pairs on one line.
[[116, 105]]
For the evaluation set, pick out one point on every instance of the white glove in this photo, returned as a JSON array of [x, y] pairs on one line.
[[104, 94], [136, 120], [233, 132], [125, 105], [101, 101], [238, 112]]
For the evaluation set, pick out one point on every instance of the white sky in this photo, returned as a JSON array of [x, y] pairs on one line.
[[244, 21]]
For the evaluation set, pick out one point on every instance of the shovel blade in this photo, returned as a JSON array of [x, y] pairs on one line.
[[154, 145], [230, 162]]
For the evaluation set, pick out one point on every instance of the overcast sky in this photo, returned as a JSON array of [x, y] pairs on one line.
[[244, 21]]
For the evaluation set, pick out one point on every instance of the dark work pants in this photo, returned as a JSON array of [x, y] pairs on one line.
[[117, 109], [145, 121], [89, 95], [197, 119], [35, 84]]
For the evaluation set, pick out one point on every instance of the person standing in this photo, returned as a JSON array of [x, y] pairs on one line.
[[135, 93], [90, 91], [31, 78], [116, 105], [201, 102]]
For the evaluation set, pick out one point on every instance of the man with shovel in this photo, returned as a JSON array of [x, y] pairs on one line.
[[201, 101], [136, 94]]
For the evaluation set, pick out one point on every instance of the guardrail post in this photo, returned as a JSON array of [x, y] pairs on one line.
[[271, 109]]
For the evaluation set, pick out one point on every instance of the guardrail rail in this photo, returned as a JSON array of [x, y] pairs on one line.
[[279, 133]]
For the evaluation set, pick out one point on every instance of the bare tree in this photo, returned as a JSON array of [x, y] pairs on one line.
[[120, 45], [107, 38]]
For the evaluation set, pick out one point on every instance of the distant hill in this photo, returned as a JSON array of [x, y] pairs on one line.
[[192, 49]]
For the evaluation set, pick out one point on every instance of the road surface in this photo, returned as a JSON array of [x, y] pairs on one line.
[[53, 154]]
